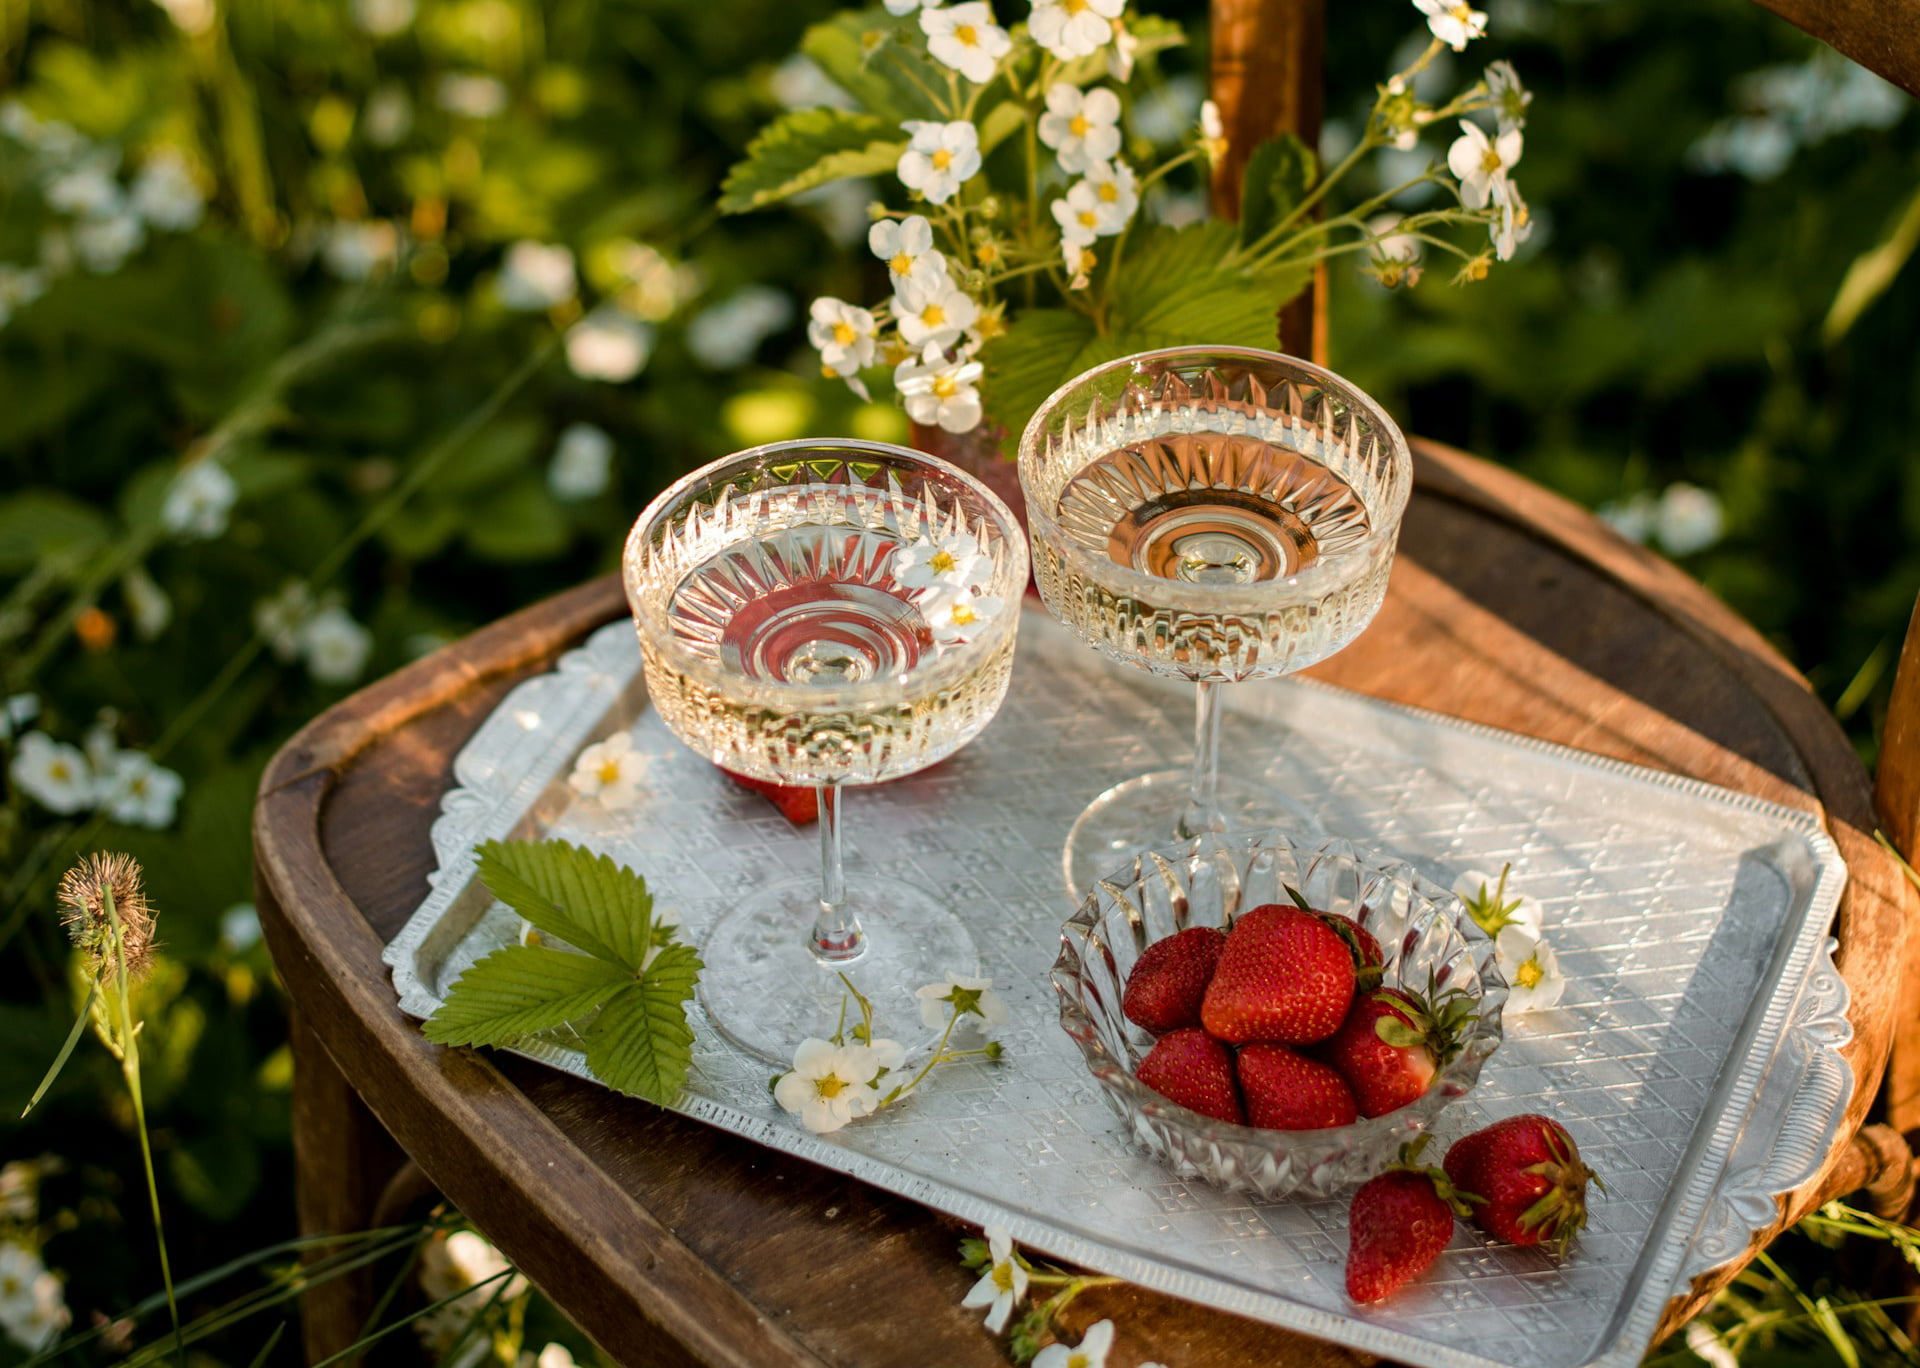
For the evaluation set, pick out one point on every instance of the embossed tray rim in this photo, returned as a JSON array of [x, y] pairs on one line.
[[1799, 1007]]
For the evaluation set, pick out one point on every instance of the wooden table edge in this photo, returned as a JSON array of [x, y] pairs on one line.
[[294, 874]]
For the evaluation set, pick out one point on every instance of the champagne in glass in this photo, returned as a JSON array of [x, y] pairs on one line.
[[826, 613], [1211, 514]]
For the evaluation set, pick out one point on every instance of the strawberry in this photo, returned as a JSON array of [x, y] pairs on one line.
[[799, 804], [1368, 960], [1394, 1041], [1282, 977], [1529, 1171], [1190, 1067], [1170, 978], [1285, 1090], [1398, 1224]]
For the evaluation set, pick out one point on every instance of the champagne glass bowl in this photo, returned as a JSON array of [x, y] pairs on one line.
[[829, 613], [1210, 514], [1422, 928]]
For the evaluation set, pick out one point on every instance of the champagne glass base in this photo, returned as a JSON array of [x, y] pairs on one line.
[[765, 991], [1145, 812]]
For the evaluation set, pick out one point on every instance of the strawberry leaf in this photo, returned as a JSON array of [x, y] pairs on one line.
[[571, 893], [520, 989], [641, 1044]]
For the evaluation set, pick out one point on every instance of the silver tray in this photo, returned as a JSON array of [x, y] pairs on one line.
[[1695, 1055]]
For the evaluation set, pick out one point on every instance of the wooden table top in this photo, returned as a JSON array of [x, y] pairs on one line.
[[669, 1241]]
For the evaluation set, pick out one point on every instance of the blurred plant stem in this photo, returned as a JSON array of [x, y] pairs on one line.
[[240, 136]]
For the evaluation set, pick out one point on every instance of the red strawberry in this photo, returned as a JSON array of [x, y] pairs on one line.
[[1288, 1091], [1529, 1171], [1397, 1226], [799, 804], [1170, 978], [1394, 1041], [1283, 977], [1190, 1067], [1368, 960]]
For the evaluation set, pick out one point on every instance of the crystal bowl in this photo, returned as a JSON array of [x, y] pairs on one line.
[[1423, 931]]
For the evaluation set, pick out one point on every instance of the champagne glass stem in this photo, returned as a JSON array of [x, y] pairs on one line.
[[837, 937], [1203, 795]]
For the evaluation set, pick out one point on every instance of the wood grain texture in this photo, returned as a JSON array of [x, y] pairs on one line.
[[674, 1243], [1897, 798], [1881, 35], [1264, 74]]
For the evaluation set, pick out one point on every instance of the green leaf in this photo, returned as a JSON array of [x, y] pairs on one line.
[[520, 989], [810, 147], [640, 1043], [519, 521], [66, 1050], [676, 969], [1279, 174], [1174, 289], [881, 61], [40, 523], [567, 891]]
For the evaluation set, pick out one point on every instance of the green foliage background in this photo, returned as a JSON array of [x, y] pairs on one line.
[[1670, 322]]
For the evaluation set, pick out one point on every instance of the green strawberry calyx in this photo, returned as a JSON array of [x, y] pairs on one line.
[[1436, 1021], [1366, 977], [1560, 1213], [1409, 1162]]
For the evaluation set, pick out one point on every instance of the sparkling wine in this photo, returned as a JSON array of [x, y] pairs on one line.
[[778, 599], [1200, 511]]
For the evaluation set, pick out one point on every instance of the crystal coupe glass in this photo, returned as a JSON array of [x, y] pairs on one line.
[[826, 613], [1210, 514]]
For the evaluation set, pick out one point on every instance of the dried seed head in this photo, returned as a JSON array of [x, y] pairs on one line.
[[83, 911]]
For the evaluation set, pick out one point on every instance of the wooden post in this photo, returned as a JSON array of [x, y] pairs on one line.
[[1896, 796], [1266, 79]]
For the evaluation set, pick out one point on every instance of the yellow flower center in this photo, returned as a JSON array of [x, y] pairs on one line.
[[1087, 218], [59, 771], [941, 159], [1521, 216], [1490, 160], [962, 614], [1073, 7], [1109, 192], [1079, 1360], [1463, 13], [944, 388], [1003, 1276], [901, 263], [967, 35], [1078, 126], [942, 560], [987, 253], [933, 315], [844, 334], [1529, 974], [830, 1086], [609, 772]]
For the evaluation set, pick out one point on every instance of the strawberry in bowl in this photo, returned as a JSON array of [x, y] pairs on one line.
[[1333, 996]]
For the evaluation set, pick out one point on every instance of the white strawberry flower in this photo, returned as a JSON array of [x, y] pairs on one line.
[[1388, 243], [965, 38], [960, 996], [198, 501], [955, 560], [940, 157], [1004, 1285], [1481, 162], [610, 772], [1079, 258], [166, 195], [137, 792], [900, 8], [932, 313], [830, 1085], [1688, 519], [1081, 127], [1073, 28], [907, 248], [52, 773], [1091, 1352], [844, 334], [1514, 224], [957, 617], [1452, 22], [938, 392], [1531, 968], [1079, 214], [1116, 192], [535, 276], [1494, 906], [335, 646], [1510, 98]]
